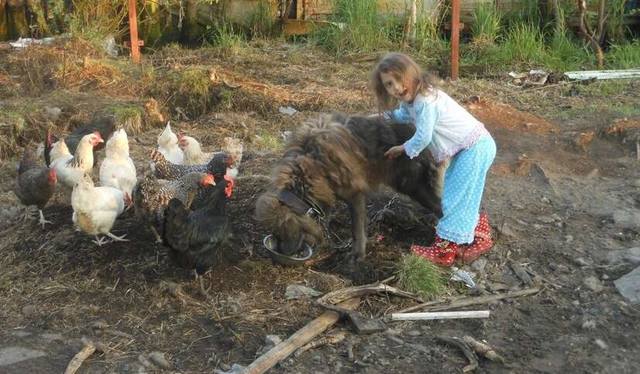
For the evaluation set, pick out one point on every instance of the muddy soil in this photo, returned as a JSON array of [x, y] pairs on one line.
[[559, 206]]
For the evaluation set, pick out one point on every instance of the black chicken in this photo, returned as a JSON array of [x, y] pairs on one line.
[[105, 125], [197, 238], [35, 184]]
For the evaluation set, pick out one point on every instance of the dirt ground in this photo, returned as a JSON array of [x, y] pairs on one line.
[[563, 194]]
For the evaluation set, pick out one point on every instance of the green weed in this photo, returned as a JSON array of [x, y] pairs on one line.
[[420, 276]]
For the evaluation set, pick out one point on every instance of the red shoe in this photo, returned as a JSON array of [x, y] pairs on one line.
[[470, 252], [483, 229], [441, 252]]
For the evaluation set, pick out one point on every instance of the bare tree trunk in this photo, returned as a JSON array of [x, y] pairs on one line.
[[4, 27], [593, 37], [410, 26]]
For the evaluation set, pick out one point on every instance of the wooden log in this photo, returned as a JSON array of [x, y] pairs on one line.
[[438, 305], [80, 357], [483, 349], [439, 315], [464, 347], [299, 339]]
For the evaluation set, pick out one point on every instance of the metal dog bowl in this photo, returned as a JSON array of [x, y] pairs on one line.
[[271, 244]]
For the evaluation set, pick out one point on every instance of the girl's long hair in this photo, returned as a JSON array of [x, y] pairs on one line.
[[403, 68]]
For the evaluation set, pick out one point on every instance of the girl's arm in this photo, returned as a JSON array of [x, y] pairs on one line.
[[400, 114], [426, 118]]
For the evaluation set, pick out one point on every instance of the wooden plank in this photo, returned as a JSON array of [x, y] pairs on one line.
[[133, 31], [440, 315], [603, 74], [455, 38]]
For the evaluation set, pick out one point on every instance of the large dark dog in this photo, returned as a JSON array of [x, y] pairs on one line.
[[341, 158]]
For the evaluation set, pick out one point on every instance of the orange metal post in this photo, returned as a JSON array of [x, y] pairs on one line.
[[455, 37], [133, 31]]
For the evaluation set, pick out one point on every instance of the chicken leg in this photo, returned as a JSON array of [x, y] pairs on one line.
[[42, 220], [155, 233], [117, 238], [100, 241]]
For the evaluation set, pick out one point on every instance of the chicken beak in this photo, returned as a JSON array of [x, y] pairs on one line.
[[208, 180]]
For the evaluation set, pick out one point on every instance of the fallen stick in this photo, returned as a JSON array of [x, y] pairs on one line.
[[80, 357], [483, 349], [434, 306], [330, 300], [298, 339], [330, 339], [439, 315], [464, 347]]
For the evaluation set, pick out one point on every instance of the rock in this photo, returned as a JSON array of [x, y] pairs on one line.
[[479, 265], [593, 284], [52, 113], [29, 311], [287, 110], [589, 324], [627, 219], [547, 219], [12, 355], [414, 333], [235, 369], [630, 255], [601, 344], [629, 286], [298, 291], [144, 361], [636, 183], [506, 230], [568, 238], [581, 261], [270, 341], [158, 359]]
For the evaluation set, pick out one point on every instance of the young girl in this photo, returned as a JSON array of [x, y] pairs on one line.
[[449, 132]]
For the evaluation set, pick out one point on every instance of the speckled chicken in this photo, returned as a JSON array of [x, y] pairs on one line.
[[151, 196], [168, 170], [35, 183], [193, 154], [196, 236]]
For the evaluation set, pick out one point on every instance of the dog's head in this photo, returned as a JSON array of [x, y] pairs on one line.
[[290, 226]]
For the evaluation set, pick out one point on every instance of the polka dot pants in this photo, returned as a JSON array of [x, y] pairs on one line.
[[463, 187]]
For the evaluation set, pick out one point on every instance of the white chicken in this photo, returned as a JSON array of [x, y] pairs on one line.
[[193, 154], [95, 209], [70, 168], [117, 169], [168, 146]]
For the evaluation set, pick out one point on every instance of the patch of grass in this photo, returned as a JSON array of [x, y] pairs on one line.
[[523, 45], [565, 53], [487, 24], [95, 20], [224, 38], [129, 116], [357, 27], [420, 276], [266, 141], [262, 20], [624, 56]]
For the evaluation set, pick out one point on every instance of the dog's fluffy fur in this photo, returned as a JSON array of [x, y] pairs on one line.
[[342, 158]]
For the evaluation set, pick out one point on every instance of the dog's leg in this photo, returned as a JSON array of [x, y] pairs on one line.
[[359, 225]]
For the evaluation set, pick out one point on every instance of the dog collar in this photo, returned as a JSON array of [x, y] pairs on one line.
[[299, 205]]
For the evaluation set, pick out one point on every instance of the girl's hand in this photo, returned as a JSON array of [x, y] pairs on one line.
[[394, 151]]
